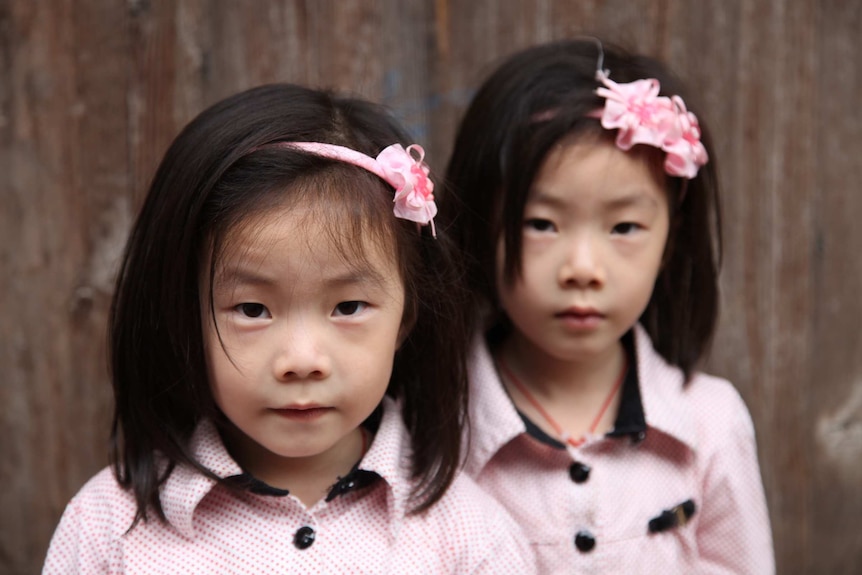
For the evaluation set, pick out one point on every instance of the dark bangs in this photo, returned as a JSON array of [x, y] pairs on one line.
[[352, 206], [532, 143]]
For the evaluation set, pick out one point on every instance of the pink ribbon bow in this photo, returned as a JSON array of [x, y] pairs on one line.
[[408, 174], [644, 117]]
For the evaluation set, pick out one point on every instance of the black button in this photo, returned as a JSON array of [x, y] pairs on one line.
[[579, 472], [304, 537], [585, 541]]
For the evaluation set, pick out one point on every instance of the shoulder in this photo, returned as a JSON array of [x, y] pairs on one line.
[[93, 521], [705, 408], [725, 429], [465, 531], [718, 400], [493, 420], [726, 439], [479, 360], [477, 531], [102, 499], [717, 411], [658, 376]]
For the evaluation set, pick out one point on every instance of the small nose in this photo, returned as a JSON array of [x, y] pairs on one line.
[[302, 355], [582, 264]]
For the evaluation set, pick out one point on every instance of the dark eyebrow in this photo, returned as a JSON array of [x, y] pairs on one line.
[[630, 199], [240, 275], [539, 197], [357, 276], [633, 199]]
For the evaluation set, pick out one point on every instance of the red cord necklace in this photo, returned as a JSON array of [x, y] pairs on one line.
[[563, 434]]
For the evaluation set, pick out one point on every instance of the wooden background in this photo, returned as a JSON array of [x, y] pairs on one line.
[[92, 91]]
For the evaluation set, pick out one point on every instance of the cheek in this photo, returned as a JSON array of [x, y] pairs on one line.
[[224, 377], [530, 262], [211, 355], [217, 376], [517, 298]]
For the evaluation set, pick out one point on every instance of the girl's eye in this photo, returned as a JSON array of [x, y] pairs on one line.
[[539, 225], [625, 228], [348, 308], [253, 310]]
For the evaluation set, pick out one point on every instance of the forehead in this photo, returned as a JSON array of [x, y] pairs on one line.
[[305, 239], [589, 169]]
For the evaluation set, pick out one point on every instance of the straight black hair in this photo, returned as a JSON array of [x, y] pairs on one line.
[[534, 99], [219, 172]]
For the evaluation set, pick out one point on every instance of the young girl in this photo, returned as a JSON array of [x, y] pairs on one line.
[[587, 197], [289, 391]]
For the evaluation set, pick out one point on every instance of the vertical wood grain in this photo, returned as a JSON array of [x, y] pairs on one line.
[[834, 326], [64, 177], [93, 91]]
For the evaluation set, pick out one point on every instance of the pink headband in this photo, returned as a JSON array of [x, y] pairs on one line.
[[408, 174], [644, 117]]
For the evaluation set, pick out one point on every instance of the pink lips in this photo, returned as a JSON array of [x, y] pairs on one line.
[[581, 318], [302, 412]]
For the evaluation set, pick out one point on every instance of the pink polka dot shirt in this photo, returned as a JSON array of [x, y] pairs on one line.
[[361, 527], [674, 488]]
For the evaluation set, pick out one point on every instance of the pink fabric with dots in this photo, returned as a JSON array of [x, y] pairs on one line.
[[699, 445], [212, 530]]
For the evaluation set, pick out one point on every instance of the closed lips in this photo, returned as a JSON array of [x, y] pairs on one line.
[[304, 412]]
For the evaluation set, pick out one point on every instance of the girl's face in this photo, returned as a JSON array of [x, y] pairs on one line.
[[308, 337], [595, 228]]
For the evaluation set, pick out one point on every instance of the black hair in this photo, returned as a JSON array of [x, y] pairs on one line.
[[534, 99], [218, 172]]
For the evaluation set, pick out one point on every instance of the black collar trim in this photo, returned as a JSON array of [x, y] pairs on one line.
[[630, 419]]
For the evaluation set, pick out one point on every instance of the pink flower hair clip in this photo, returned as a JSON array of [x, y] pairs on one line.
[[403, 169], [644, 117]]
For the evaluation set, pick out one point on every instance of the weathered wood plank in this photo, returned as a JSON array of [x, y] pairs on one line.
[[64, 177], [92, 92], [766, 284], [834, 328]]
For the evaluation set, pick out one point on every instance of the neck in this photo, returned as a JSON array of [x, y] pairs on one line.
[[551, 376], [308, 478], [569, 399]]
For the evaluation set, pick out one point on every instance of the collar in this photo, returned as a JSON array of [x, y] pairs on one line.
[[493, 419], [630, 421], [653, 397], [388, 457], [663, 393], [186, 487]]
